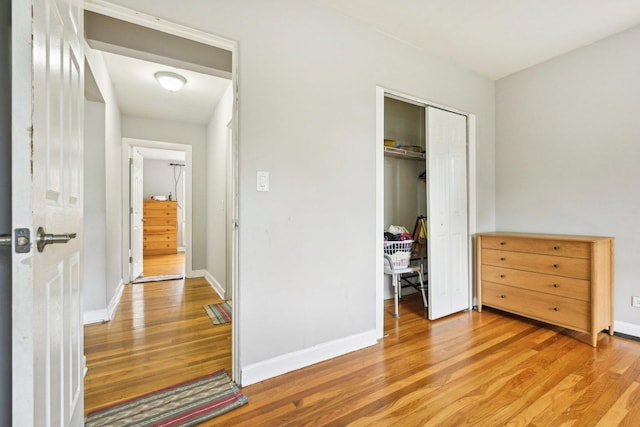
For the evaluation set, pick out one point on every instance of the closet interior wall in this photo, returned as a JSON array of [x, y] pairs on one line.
[[404, 192]]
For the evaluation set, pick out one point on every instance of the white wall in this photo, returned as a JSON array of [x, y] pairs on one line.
[[114, 262], [94, 239], [217, 188], [568, 154], [186, 134], [307, 107], [5, 210], [160, 178]]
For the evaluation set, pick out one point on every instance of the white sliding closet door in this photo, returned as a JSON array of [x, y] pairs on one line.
[[447, 212]]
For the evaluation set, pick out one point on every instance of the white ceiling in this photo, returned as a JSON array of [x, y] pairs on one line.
[[140, 95], [494, 38]]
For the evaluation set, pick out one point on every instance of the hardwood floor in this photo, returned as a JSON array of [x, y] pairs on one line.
[[485, 369], [159, 336]]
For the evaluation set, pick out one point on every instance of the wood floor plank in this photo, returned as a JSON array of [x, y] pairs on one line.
[[633, 408], [620, 408], [520, 393]]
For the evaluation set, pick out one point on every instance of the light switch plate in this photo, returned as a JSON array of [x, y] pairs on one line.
[[263, 181]]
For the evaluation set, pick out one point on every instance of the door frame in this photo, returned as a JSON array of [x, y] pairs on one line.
[[130, 15], [127, 146], [381, 92], [231, 213]]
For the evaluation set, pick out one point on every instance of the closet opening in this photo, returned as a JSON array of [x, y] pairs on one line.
[[405, 201], [425, 216]]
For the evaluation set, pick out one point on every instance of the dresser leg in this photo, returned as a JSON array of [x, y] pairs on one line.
[[594, 339]]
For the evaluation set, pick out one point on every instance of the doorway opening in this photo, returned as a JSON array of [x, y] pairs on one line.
[[158, 178], [164, 218], [442, 154], [196, 162]]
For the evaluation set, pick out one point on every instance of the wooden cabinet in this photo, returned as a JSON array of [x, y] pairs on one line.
[[160, 230], [559, 279]]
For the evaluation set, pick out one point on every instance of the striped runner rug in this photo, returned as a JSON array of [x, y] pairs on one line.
[[219, 313], [185, 404]]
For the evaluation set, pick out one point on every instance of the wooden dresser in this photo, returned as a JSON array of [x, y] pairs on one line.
[[160, 229], [559, 279]]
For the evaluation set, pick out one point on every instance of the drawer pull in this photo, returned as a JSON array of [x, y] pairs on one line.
[[556, 309], [503, 243], [502, 276], [555, 266], [555, 285], [502, 258], [503, 296], [555, 248]]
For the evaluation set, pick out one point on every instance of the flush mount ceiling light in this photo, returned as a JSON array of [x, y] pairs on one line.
[[170, 81]]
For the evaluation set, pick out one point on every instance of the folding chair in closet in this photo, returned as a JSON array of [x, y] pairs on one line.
[[396, 274]]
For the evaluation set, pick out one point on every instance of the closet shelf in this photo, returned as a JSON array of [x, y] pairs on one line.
[[403, 154]]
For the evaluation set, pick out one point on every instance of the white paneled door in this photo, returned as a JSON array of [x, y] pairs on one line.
[[447, 210], [136, 196], [47, 110]]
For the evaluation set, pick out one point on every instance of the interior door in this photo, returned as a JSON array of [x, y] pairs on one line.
[[135, 203], [47, 108], [449, 285]]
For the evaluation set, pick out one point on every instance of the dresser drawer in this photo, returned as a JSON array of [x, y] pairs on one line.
[[554, 309], [171, 246], [159, 229], [155, 205], [560, 266], [550, 284], [566, 248], [161, 214], [167, 238], [158, 222]]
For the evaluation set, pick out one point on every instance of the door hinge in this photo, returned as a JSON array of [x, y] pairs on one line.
[[130, 210], [130, 259]]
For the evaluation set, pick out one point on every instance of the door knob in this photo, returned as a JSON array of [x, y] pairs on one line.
[[43, 239]]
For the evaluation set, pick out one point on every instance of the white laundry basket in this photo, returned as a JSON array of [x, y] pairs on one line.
[[400, 252]]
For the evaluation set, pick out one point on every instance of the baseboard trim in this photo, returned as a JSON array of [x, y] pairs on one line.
[[95, 316], [198, 273], [626, 328], [215, 285], [115, 300], [104, 314], [261, 371]]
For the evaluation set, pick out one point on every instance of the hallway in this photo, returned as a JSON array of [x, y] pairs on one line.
[[160, 335]]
